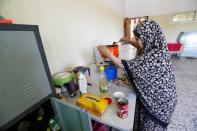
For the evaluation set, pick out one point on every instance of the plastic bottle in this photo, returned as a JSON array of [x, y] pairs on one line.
[[103, 84]]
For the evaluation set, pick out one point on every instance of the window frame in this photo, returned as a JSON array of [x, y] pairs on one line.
[[186, 15]]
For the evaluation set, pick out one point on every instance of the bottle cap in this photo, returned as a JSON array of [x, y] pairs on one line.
[[101, 68]]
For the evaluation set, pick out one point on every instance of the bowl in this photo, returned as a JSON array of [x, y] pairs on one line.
[[118, 95]]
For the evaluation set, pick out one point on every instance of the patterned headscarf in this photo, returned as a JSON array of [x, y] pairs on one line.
[[151, 72]]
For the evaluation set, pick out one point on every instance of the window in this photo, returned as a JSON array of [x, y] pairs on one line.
[[129, 25], [135, 21], [184, 17]]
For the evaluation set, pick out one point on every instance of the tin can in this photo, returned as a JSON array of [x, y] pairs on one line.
[[122, 105]]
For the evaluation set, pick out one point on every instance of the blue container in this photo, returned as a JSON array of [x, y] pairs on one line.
[[111, 73]]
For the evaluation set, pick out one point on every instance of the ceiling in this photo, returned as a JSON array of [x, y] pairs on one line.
[[135, 8]]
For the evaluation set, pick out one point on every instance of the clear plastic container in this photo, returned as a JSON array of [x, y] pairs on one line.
[[103, 84]]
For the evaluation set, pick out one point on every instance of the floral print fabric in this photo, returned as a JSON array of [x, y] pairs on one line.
[[151, 73]]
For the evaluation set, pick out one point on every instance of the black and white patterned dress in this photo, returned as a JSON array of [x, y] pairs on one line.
[[152, 76]]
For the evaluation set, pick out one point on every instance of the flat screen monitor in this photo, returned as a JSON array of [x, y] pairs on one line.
[[25, 79]]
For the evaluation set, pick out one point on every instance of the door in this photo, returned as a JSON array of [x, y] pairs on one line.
[[71, 118]]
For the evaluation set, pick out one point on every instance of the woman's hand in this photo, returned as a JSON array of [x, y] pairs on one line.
[[104, 50], [128, 41], [125, 40]]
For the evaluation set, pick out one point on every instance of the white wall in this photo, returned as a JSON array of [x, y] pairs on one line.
[[117, 5], [136, 8], [69, 28], [172, 30]]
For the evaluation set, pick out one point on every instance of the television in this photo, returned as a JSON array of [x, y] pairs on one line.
[[25, 78]]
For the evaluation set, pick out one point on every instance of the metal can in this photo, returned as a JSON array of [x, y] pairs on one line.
[[122, 105]]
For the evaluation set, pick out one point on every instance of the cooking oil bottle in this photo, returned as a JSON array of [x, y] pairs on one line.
[[103, 84]]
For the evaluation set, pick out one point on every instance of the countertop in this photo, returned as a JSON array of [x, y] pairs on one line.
[[110, 115]]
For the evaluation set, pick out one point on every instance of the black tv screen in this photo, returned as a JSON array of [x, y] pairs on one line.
[[25, 79]]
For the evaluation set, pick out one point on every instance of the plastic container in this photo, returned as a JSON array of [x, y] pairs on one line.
[[111, 73], [103, 84], [113, 49], [127, 52]]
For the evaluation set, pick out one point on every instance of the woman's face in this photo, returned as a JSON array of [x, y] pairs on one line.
[[136, 42]]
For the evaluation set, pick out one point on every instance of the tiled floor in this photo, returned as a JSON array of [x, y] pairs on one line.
[[185, 115]]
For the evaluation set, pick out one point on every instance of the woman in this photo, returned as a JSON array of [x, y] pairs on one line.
[[151, 75]]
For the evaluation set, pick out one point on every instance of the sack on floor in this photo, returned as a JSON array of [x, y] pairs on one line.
[[99, 126]]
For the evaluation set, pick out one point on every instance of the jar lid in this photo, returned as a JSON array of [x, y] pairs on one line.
[[101, 68], [62, 78], [123, 101]]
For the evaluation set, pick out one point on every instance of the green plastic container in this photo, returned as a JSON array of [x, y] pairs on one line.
[[62, 78]]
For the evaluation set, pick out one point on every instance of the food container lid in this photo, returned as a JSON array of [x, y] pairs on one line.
[[101, 68], [123, 101], [62, 78]]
